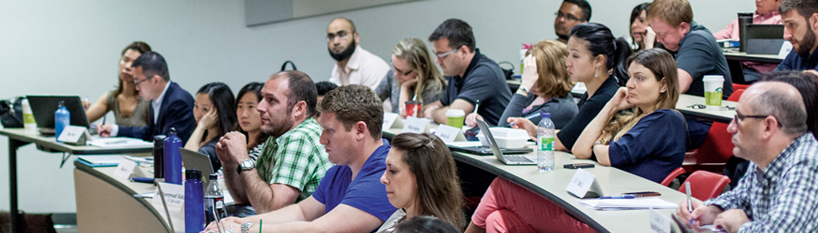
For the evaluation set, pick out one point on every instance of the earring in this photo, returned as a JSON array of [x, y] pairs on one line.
[[596, 72]]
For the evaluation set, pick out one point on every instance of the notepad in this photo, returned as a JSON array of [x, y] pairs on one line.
[[629, 204], [119, 142], [100, 160]]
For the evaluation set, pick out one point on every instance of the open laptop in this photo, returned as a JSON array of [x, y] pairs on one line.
[[196, 160], [764, 38], [44, 106], [501, 154]]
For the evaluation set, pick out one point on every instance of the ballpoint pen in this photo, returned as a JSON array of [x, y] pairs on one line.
[[618, 197], [476, 105], [689, 207]]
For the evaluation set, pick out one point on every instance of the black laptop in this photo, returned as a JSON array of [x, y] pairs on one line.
[[44, 106]]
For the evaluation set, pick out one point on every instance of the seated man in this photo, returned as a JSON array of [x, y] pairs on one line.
[[766, 13], [799, 28], [778, 190], [696, 52], [570, 14], [171, 106], [472, 76], [351, 197], [292, 161], [353, 65]]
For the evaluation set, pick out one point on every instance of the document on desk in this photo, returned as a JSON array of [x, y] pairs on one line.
[[629, 204], [100, 160], [464, 144], [119, 142]]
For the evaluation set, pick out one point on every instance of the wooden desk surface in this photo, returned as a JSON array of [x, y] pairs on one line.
[[723, 115], [50, 144]]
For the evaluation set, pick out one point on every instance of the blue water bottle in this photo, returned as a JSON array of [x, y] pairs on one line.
[[173, 160], [194, 202], [62, 118]]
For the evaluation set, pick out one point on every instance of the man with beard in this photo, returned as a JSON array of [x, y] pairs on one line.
[[800, 19], [292, 161], [353, 65], [570, 14], [696, 53]]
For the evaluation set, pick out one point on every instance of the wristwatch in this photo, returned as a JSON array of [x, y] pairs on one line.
[[523, 91], [245, 165]]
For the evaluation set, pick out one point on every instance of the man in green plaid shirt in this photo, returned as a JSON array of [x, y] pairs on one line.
[[292, 161]]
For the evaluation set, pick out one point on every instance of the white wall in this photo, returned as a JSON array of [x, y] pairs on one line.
[[73, 47]]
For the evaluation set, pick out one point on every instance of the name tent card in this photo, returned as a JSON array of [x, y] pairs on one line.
[[74, 135], [449, 134], [584, 185], [174, 195], [125, 168], [391, 120], [785, 49], [658, 222], [416, 125]]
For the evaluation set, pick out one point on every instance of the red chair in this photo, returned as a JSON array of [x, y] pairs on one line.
[[672, 175], [737, 86], [716, 148], [705, 185]]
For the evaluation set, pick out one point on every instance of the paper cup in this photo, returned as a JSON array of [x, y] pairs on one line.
[[713, 85], [455, 118], [412, 108]]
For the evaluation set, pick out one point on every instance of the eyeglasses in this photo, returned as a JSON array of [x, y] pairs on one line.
[[740, 117], [568, 17], [340, 34], [136, 83], [442, 55]]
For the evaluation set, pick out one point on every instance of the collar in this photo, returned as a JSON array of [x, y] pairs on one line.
[[693, 26], [768, 175], [303, 124], [158, 101], [472, 64], [765, 16], [354, 61]]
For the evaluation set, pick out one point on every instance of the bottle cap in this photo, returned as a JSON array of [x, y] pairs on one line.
[[214, 176], [172, 130], [159, 138], [193, 174], [545, 115], [62, 103]]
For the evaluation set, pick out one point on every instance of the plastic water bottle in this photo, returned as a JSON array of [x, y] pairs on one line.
[[62, 118], [214, 197], [545, 143], [173, 160], [194, 202]]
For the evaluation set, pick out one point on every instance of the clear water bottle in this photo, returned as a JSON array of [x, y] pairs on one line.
[[545, 143], [214, 197], [62, 118], [194, 208]]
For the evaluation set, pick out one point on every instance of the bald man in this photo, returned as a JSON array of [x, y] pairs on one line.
[[778, 191], [353, 64]]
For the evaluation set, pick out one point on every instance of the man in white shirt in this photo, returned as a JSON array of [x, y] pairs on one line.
[[354, 65]]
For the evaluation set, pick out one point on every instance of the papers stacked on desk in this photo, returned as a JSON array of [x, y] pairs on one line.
[[629, 204], [119, 142], [100, 160]]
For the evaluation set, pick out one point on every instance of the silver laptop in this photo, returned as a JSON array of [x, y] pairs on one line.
[[507, 159], [196, 160]]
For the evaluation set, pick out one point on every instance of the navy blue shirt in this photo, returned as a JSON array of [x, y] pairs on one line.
[[484, 81], [365, 192], [795, 62], [650, 153]]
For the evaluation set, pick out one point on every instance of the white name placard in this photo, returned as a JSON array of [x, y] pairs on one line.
[[658, 222], [74, 135], [582, 183], [124, 169], [448, 134], [174, 195], [785, 49], [391, 120], [416, 125]]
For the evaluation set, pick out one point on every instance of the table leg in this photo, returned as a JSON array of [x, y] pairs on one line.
[[15, 215]]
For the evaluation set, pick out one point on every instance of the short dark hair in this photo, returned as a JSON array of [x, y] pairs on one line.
[[152, 63], [355, 103], [458, 32], [425, 224], [324, 87], [301, 89], [804, 7], [225, 104], [137, 46], [585, 6]]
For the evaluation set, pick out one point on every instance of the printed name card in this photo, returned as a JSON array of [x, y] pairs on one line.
[[785, 49], [124, 169], [74, 135], [658, 222], [449, 134], [391, 120], [416, 125], [174, 195], [581, 183]]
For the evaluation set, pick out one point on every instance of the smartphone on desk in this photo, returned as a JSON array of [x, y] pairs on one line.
[[644, 194], [578, 165]]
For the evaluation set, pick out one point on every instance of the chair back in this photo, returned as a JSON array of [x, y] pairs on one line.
[[705, 185], [672, 175]]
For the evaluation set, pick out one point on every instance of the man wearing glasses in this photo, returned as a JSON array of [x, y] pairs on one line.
[[570, 14], [353, 65], [778, 191], [171, 106]]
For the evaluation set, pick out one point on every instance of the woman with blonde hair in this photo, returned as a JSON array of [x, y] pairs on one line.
[[421, 180], [414, 76], [545, 88]]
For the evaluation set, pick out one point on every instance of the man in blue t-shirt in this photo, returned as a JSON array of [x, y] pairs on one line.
[[350, 197], [800, 31]]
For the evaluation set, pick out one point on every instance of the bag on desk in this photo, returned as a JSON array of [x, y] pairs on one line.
[[11, 112]]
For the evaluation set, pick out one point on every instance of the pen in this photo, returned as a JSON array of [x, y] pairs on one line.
[[476, 105], [103, 119], [528, 117], [618, 197], [148, 180], [689, 207]]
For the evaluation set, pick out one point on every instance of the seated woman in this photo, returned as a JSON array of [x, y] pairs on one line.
[[421, 179], [414, 76], [651, 93], [214, 112], [129, 109], [545, 88], [249, 119], [642, 36], [593, 56]]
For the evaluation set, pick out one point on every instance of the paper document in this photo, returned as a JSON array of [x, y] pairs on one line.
[[100, 160], [119, 142], [464, 144], [629, 204]]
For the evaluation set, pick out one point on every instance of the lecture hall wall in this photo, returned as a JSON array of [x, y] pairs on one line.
[[72, 47]]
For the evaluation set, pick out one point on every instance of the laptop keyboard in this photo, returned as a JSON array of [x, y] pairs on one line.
[[518, 159]]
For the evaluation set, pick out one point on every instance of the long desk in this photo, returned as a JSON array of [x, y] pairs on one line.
[[18, 138], [743, 56], [723, 114], [552, 185]]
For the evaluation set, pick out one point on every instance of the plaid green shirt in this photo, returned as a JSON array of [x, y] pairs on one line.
[[296, 158]]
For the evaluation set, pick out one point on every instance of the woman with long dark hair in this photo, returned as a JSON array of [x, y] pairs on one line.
[[214, 111]]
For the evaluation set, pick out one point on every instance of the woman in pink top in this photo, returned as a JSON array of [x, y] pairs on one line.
[[766, 13]]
